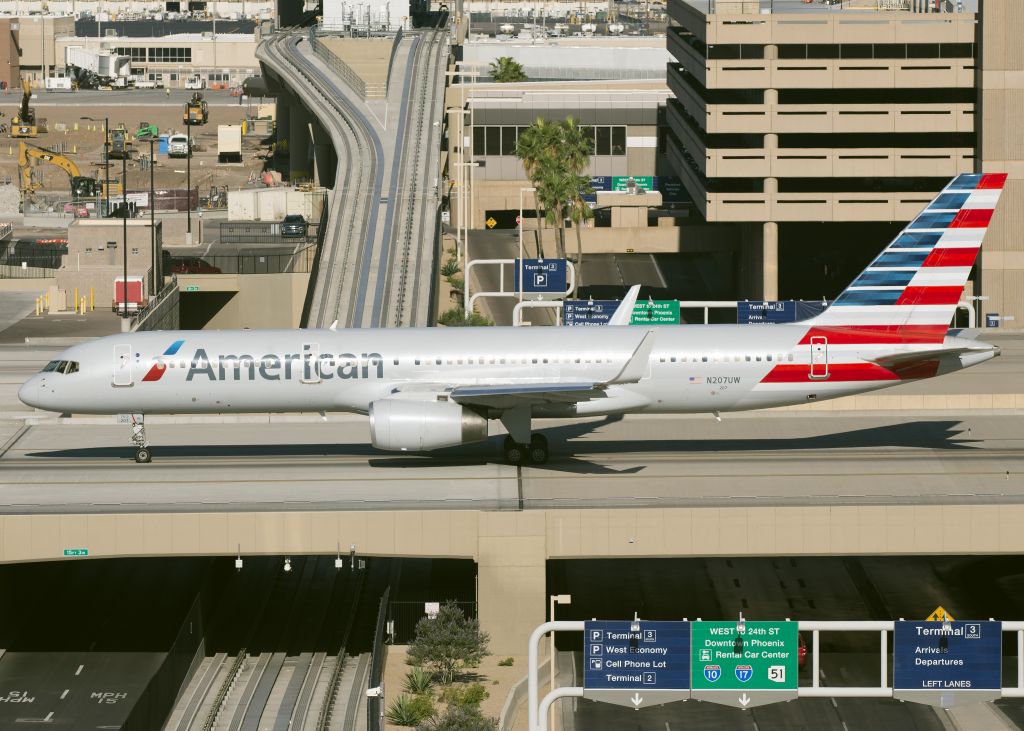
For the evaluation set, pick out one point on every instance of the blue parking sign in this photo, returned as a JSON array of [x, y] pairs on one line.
[[542, 276]]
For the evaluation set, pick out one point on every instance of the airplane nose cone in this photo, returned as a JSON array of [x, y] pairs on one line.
[[29, 392]]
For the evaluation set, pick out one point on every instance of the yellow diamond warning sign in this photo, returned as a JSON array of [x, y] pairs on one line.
[[491, 223], [940, 615]]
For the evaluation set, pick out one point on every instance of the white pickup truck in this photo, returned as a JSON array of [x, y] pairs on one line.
[[177, 145]]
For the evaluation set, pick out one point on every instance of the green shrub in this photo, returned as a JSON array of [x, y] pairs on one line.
[[507, 662], [410, 710], [418, 681], [450, 268], [468, 696], [460, 718], [458, 283], [456, 317]]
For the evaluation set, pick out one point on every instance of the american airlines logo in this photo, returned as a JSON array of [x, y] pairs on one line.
[[307, 365], [159, 368]]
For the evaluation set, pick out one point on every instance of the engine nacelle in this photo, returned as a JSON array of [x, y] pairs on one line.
[[400, 425]]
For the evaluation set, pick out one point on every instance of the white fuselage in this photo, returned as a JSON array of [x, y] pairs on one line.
[[693, 368]]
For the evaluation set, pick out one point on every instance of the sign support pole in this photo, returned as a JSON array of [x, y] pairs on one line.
[[884, 652], [532, 663], [815, 660], [550, 698], [1020, 658]]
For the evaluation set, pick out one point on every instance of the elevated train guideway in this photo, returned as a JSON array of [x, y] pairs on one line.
[[375, 267]]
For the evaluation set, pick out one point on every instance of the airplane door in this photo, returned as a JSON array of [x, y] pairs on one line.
[[819, 357], [122, 365], [311, 368]]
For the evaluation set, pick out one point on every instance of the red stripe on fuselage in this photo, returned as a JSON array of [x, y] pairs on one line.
[[877, 334], [853, 372], [836, 372], [952, 257], [930, 296], [155, 373], [992, 181], [972, 218]]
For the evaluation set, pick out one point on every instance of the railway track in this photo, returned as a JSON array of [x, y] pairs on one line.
[[369, 274], [404, 297], [357, 186]]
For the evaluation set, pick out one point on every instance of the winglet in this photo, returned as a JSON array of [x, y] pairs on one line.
[[636, 366], [624, 312], [334, 325]]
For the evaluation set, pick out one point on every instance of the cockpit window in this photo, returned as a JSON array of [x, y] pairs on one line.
[[61, 366]]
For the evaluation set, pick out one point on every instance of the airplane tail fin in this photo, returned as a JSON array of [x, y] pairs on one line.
[[909, 293]]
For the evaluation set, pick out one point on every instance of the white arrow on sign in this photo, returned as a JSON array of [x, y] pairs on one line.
[[637, 699], [744, 700]]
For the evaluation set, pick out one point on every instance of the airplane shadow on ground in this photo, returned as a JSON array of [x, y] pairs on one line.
[[943, 435]]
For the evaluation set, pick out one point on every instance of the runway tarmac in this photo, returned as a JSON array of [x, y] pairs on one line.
[[638, 461]]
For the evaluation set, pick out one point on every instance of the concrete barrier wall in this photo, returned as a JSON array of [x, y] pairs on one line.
[[512, 548]]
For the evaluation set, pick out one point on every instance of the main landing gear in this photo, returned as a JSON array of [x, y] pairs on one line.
[[520, 445], [142, 453], [536, 451]]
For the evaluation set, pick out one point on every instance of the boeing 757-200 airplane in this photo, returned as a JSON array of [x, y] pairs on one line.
[[429, 388]]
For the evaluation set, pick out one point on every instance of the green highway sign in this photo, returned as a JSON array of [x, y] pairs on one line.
[[76, 551], [656, 312], [620, 183], [744, 664], [192, 288]]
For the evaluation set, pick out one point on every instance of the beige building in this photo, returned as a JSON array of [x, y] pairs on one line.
[[821, 150], [96, 256], [37, 42], [10, 54], [223, 59]]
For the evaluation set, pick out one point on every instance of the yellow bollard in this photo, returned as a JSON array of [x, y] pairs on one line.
[[92, 301], [76, 299], [37, 307], [46, 304], [83, 304], [76, 126]]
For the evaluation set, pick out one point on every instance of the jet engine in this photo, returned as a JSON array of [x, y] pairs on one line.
[[397, 424]]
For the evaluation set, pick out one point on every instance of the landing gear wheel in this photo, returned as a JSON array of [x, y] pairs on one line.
[[538, 449], [143, 455], [515, 453]]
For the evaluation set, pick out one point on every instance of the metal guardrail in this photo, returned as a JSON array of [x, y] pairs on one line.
[[12, 271], [162, 312], [6, 230], [342, 69], [260, 232], [225, 688], [323, 721], [301, 261], [314, 268], [378, 658]]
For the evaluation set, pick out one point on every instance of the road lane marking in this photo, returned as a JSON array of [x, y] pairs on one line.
[[65, 693], [80, 669]]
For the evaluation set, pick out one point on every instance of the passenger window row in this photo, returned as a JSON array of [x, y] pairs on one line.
[[508, 360], [727, 358]]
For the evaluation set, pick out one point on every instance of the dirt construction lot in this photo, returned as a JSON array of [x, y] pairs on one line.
[[83, 139]]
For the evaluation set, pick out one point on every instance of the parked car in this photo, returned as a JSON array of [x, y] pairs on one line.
[[293, 225], [177, 145]]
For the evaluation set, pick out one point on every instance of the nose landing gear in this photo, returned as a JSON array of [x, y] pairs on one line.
[[142, 453]]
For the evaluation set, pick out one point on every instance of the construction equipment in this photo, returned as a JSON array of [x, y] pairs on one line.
[[196, 111], [26, 124], [120, 144], [146, 132], [81, 186]]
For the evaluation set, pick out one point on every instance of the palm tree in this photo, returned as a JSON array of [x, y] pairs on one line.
[[507, 70], [532, 148], [579, 213]]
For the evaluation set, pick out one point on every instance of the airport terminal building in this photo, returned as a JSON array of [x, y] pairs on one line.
[[821, 130]]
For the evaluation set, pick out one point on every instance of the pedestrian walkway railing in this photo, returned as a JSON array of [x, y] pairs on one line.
[[346, 72]]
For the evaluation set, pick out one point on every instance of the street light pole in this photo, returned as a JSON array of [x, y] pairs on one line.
[[124, 229], [106, 166], [155, 278], [521, 191], [188, 186], [555, 599]]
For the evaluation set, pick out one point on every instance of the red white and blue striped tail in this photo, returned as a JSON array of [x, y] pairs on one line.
[[910, 292]]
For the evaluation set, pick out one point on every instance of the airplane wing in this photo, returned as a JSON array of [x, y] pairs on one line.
[[509, 395]]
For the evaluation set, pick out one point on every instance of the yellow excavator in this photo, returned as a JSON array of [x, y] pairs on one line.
[[82, 187], [25, 123]]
